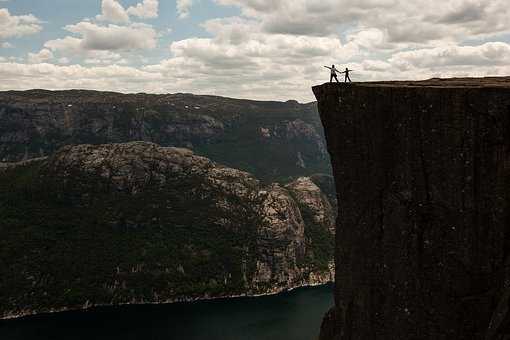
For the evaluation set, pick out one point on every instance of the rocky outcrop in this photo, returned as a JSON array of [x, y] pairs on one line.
[[308, 194], [140, 223], [272, 140], [422, 235]]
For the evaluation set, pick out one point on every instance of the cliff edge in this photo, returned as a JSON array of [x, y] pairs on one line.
[[423, 233]]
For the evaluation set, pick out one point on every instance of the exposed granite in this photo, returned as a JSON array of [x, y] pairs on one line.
[[422, 178]]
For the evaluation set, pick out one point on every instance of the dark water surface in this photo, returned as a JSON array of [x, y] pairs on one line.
[[295, 315]]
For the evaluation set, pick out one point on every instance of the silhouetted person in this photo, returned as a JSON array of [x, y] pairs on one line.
[[333, 73], [347, 78]]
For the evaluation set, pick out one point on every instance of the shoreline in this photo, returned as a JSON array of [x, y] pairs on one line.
[[89, 307]]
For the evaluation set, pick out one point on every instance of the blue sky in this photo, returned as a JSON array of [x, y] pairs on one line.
[[260, 49]]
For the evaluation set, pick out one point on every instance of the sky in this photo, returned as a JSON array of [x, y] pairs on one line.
[[256, 49]]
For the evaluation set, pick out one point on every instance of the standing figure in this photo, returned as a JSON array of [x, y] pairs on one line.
[[333, 73], [347, 78]]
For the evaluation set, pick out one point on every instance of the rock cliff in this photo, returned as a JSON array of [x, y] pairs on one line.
[[422, 237], [140, 223]]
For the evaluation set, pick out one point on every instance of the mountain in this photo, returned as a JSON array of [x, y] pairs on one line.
[[111, 198], [272, 140], [422, 242]]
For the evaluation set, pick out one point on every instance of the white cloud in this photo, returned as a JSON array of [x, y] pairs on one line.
[[68, 45], [73, 47], [40, 57], [105, 43], [240, 48], [113, 11], [113, 37], [184, 7], [106, 61], [18, 26], [417, 21], [101, 44], [52, 76], [488, 54], [64, 60], [145, 9], [6, 45]]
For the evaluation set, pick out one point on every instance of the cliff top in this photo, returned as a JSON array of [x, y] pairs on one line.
[[433, 82]]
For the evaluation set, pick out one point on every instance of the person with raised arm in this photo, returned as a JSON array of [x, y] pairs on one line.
[[333, 73]]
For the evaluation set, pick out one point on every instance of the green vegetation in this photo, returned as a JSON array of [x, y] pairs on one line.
[[61, 246], [319, 239]]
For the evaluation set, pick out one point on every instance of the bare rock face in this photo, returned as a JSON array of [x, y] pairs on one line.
[[281, 219], [307, 193], [127, 167], [140, 223], [422, 175]]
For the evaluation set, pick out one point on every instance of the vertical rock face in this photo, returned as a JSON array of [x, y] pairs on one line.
[[422, 179]]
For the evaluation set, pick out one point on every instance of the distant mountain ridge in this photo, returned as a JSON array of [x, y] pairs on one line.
[[272, 140]]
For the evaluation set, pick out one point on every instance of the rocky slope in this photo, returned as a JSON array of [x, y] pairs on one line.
[[422, 243], [272, 140], [140, 223]]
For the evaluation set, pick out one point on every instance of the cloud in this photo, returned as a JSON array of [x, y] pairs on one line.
[[462, 12], [122, 78], [488, 54], [6, 45], [73, 47], [70, 47], [114, 37], [402, 21], [67, 45], [18, 26], [40, 57], [100, 43], [64, 60], [113, 11], [146, 9], [239, 44], [183, 8]]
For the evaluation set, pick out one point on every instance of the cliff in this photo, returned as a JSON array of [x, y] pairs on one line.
[[422, 237], [140, 223], [272, 140]]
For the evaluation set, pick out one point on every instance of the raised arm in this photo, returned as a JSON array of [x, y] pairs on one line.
[[328, 67]]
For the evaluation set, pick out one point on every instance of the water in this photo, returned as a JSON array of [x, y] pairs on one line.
[[295, 315]]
